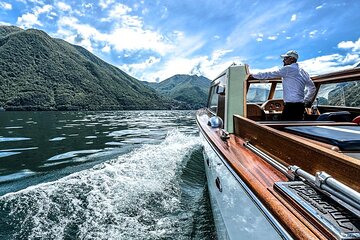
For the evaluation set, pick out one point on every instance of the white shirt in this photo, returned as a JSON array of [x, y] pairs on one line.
[[297, 85]]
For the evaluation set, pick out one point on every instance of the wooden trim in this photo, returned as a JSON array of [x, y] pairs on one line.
[[282, 124], [271, 80], [353, 74], [272, 90], [290, 150]]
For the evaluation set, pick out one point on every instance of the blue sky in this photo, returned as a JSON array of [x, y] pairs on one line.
[[154, 40]]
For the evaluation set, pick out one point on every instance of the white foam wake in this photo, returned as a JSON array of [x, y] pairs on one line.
[[136, 196]]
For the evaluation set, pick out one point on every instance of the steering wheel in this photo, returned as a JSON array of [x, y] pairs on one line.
[[273, 105]]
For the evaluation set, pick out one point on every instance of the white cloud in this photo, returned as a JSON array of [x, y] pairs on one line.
[[322, 64], [83, 34], [253, 21], [123, 38], [354, 46], [141, 66], [63, 6], [164, 13], [218, 54], [87, 5], [256, 70], [313, 34], [272, 38], [293, 18], [203, 65], [106, 49], [43, 9], [105, 3], [258, 36], [319, 7], [132, 39], [271, 57], [5, 24], [5, 5], [145, 11], [120, 17], [40, 2], [29, 20], [168, 69], [351, 58], [329, 63], [119, 10]]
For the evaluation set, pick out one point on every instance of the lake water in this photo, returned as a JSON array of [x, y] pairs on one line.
[[102, 175]]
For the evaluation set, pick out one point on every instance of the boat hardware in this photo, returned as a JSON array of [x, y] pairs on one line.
[[342, 194], [283, 169], [224, 135], [334, 218], [218, 184]]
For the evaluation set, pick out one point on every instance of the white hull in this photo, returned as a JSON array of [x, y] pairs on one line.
[[236, 211]]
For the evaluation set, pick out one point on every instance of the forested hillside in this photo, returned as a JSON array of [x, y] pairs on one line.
[[191, 90], [38, 72]]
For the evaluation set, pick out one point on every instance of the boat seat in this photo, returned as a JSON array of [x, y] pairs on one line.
[[356, 120], [347, 138], [255, 112], [342, 116]]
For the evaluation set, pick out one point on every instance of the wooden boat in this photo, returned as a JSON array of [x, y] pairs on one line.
[[271, 179]]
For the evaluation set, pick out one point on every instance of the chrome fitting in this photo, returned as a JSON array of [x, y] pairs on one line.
[[320, 178]]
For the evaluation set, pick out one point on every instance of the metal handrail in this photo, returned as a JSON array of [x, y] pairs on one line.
[[282, 168], [342, 194], [339, 192]]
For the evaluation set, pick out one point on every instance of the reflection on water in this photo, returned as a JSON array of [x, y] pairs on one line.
[[12, 139], [102, 175], [40, 138]]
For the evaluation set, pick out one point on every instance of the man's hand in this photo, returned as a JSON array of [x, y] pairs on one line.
[[251, 77], [308, 104]]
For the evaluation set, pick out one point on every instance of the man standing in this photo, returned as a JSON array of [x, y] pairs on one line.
[[295, 81]]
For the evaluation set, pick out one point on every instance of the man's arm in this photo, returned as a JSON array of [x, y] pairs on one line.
[[274, 74], [311, 89]]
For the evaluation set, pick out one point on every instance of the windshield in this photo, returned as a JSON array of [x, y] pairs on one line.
[[213, 99], [345, 94], [259, 92]]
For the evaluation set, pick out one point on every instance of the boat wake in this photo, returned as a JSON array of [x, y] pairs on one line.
[[153, 192]]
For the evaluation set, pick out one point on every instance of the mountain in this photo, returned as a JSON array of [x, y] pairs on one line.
[[191, 90], [38, 72]]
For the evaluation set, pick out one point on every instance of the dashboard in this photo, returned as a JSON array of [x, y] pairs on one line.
[[271, 105]]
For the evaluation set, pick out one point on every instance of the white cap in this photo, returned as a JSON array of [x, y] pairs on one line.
[[291, 53]]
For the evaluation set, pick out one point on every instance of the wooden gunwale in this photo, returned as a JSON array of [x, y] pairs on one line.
[[260, 177], [281, 125]]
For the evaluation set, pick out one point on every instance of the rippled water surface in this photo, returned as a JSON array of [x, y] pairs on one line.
[[102, 175]]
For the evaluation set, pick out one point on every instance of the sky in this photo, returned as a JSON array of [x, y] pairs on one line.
[[154, 40]]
